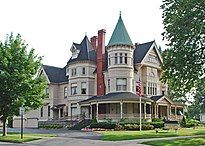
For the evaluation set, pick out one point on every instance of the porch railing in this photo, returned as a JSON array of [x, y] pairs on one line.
[[118, 116], [175, 117]]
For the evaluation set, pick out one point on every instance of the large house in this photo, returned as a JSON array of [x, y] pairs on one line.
[[102, 81]]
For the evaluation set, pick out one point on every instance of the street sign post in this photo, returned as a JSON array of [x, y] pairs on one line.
[[21, 113]]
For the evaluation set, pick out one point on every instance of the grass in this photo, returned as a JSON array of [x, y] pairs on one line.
[[16, 137], [129, 135], [178, 142]]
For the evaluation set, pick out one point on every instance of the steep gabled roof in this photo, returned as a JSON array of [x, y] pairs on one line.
[[141, 50], [86, 51], [120, 35], [55, 74]]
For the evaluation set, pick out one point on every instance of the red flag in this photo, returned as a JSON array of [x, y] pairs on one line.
[[139, 87]]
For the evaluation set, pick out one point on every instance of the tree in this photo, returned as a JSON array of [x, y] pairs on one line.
[[20, 84], [184, 60]]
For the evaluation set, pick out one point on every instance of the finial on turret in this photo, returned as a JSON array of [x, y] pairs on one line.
[[85, 33], [120, 13]]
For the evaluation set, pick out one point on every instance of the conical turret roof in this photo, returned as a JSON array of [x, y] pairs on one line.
[[120, 35]]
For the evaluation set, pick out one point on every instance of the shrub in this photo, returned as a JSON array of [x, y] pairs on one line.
[[183, 122], [104, 125], [157, 124], [147, 127], [119, 127], [137, 127], [192, 123], [131, 127], [94, 120], [157, 120]]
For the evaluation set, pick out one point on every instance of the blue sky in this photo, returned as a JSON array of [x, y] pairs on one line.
[[51, 26]]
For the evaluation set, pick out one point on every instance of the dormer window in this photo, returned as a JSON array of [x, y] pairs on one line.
[[75, 52]]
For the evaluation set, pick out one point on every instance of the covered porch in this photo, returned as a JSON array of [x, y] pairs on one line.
[[117, 106], [164, 107]]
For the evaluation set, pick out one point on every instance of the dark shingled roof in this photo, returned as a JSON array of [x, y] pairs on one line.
[[55, 74], [141, 50], [155, 98], [86, 51], [115, 96]]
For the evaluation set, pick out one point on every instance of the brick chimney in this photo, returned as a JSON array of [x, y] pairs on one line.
[[93, 41], [100, 52]]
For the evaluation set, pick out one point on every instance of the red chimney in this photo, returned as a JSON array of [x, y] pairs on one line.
[[100, 52], [94, 42]]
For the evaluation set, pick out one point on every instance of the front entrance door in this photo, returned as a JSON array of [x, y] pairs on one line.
[[162, 112]]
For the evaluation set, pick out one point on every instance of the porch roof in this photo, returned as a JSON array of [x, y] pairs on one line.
[[117, 96]]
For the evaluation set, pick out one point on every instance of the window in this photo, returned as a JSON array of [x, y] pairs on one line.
[[73, 89], [152, 59], [61, 112], [109, 60], [151, 74], [41, 111], [74, 72], [121, 84], [83, 88], [49, 111], [124, 108], [83, 70], [65, 92], [116, 58], [144, 89], [121, 58], [125, 58], [47, 91], [108, 84], [152, 88]]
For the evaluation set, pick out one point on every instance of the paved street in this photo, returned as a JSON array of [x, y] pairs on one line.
[[70, 138]]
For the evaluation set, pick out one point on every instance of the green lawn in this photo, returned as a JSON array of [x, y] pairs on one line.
[[16, 137], [178, 142], [129, 135]]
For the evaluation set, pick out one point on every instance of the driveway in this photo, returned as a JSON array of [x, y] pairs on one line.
[[70, 138]]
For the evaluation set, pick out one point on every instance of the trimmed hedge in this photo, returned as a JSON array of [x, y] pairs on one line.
[[137, 127], [157, 124], [104, 125]]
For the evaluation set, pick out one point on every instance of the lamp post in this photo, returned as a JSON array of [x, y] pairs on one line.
[[21, 112]]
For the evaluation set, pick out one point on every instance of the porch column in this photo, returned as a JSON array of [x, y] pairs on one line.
[[121, 112], [155, 111], [91, 111], [145, 112], [59, 113], [167, 111], [97, 111], [170, 110]]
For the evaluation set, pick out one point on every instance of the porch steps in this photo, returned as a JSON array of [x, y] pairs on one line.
[[81, 124]]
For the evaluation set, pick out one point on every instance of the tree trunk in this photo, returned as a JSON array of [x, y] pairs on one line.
[[4, 126]]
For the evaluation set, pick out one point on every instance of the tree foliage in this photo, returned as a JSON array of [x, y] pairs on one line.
[[184, 60], [20, 84]]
